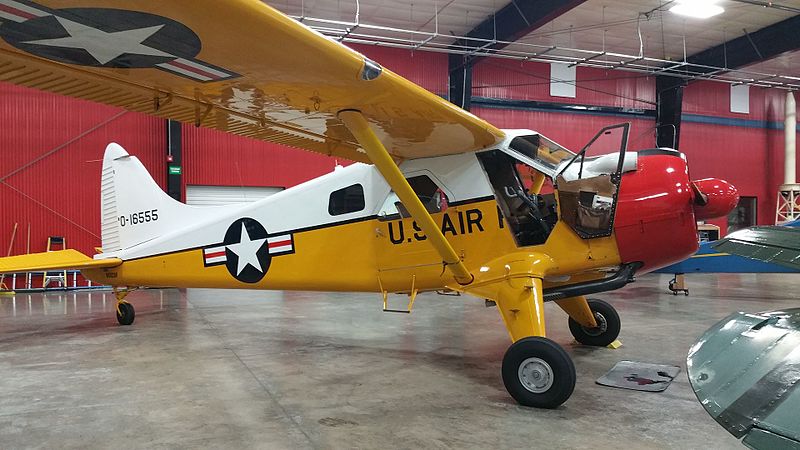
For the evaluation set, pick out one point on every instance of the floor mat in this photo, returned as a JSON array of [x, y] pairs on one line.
[[639, 376]]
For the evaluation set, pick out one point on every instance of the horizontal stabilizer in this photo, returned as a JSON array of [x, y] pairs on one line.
[[58, 260]]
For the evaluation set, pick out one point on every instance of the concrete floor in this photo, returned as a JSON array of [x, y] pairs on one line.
[[249, 369]]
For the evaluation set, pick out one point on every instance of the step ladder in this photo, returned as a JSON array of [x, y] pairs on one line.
[[55, 243]]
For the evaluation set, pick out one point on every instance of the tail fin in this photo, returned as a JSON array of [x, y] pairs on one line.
[[133, 207]]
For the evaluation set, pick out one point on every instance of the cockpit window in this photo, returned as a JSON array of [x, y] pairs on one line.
[[542, 150], [428, 192]]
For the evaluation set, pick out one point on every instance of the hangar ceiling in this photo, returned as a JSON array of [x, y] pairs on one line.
[[596, 33], [612, 25]]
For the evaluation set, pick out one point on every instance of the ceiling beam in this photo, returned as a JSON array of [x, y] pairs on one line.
[[751, 48], [510, 23], [517, 19]]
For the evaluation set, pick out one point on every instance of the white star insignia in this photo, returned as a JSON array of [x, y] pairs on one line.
[[247, 251], [104, 47]]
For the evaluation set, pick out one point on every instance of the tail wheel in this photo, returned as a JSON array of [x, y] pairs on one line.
[[538, 372], [125, 313], [607, 329]]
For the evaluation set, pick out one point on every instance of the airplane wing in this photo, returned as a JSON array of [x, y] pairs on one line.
[[238, 66], [772, 244], [745, 371], [707, 259]]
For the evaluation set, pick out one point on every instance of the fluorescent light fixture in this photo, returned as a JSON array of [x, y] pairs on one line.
[[698, 9]]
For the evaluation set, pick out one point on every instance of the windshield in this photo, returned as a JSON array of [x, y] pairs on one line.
[[542, 150]]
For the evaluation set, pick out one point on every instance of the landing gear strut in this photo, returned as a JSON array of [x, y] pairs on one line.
[[125, 312], [538, 372]]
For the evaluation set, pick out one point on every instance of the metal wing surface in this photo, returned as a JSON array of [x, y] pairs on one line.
[[772, 244], [745, 371]]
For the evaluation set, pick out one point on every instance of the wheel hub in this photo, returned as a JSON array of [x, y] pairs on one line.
[[535, 375], [602, 326]]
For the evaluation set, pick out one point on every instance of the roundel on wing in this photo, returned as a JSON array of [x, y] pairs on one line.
[[102, 37], [109, 38], [246, 250]]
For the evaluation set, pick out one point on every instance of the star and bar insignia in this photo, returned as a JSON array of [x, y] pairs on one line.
[[247, 250], [102, 37]]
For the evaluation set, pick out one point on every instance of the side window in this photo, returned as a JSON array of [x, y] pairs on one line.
[[428, 192], [346, 200]]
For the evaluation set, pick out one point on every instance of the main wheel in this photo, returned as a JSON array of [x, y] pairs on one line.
[[607, 329], [538, 372], [125, 313]]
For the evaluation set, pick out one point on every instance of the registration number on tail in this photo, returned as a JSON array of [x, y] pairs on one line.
[[139, 217]]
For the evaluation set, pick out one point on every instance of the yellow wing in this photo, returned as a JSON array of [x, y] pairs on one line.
[[235, 65]]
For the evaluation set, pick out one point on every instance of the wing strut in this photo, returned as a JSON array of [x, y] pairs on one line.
[[379, 156]]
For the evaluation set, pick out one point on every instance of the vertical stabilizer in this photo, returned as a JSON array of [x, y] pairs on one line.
[[133, 207]]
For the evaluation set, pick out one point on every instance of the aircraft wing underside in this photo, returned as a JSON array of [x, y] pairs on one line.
[[238, 66]]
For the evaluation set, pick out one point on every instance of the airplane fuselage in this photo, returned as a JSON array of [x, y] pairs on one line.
[[345, 231]]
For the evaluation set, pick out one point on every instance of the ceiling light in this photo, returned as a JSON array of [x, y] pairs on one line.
[[697, 9]]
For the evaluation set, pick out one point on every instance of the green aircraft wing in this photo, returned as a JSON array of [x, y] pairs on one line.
[[771, 244], [745, 371]]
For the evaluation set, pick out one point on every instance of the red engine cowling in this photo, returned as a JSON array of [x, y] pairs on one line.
[[658, 207]]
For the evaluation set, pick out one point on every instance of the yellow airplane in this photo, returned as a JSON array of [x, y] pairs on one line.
[[438, 199]]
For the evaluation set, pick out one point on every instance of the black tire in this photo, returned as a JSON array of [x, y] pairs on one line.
[[125, 313], [608, 327], [541, 365]]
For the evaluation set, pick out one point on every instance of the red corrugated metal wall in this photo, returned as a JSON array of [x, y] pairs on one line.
[[59, 194], [570, 130], [212, 157], [747, 151], [514, 80], [507, 79]]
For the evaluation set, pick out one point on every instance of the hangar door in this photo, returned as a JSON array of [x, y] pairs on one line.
[[201, 195]]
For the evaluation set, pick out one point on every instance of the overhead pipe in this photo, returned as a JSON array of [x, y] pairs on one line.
[[425, 40]]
